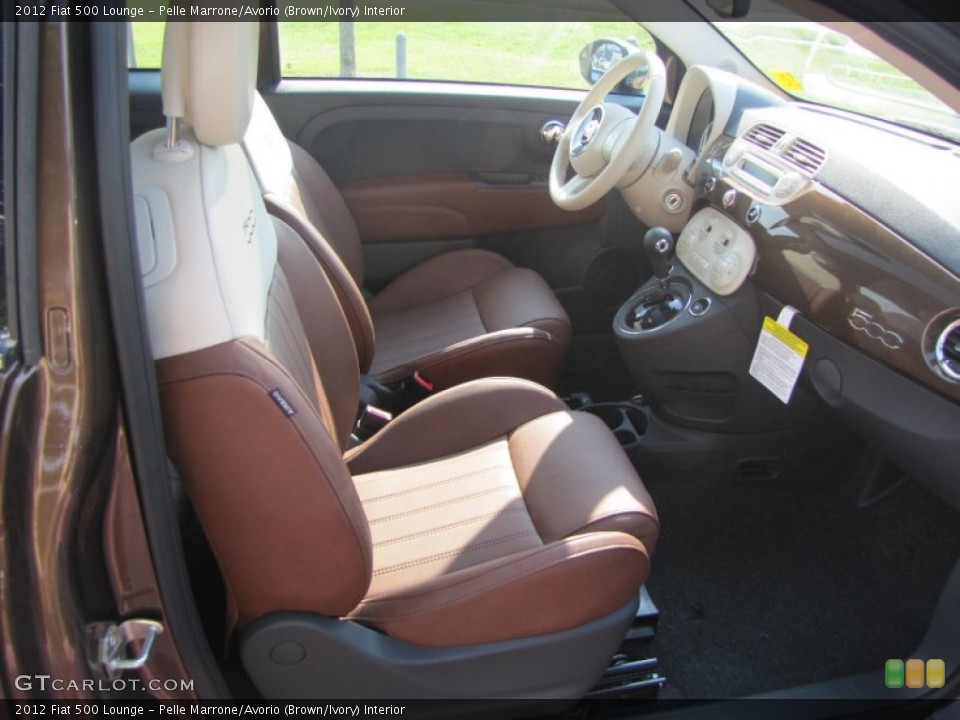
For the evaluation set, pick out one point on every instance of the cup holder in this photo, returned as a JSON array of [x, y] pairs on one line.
[[611, 415], [628, 422]]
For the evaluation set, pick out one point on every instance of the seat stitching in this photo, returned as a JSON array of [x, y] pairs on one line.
[[451, 526], [450, 553], [392, 473], [455, 478], [462, 498]]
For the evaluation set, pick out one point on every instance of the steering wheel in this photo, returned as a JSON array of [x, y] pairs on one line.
[[604, 139]]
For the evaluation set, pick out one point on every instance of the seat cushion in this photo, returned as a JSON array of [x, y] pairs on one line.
[[509, 538], [465, 315]]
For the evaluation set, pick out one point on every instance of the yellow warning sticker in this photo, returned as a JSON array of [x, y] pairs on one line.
[[787, 80], [778, 359], [785, 336]]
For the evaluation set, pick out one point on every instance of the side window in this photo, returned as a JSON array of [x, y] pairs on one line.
[[144, 44], [543, 54]]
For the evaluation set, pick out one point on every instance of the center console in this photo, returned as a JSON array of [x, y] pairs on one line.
[[688, 334]]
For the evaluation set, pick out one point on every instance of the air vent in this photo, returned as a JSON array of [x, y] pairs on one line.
[[804, 155], [948, 351], [765, 136]]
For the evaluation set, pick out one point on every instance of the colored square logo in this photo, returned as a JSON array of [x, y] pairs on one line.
[[893, 673], [915, 673], [936, 673]]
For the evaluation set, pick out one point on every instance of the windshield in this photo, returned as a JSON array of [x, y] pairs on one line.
[[816, 63]]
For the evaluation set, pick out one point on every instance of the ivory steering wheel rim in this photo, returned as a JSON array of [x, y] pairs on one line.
[[584, 141]]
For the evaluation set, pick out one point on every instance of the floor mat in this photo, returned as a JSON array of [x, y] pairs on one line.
[[766, 586]]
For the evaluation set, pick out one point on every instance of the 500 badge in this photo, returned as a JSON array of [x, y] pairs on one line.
[[862, 321]]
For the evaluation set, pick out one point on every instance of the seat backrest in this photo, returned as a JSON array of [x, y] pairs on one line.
[[296, 189], [256, 421]]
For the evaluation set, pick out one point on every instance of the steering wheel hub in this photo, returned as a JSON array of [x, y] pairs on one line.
[[587, 131]]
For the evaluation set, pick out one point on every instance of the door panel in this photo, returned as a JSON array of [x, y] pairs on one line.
[[425, 167], [437, 207]]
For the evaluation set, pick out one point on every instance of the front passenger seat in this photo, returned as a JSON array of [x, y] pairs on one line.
[[457, 316], [487, 543]]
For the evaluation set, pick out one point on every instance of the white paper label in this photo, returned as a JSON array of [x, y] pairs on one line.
[[779, 357]]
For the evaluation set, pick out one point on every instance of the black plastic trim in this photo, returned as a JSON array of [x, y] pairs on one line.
[[910, 425], [304, 655], [22, 232]]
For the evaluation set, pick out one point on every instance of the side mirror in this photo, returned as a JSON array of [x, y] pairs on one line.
[[600, 55]]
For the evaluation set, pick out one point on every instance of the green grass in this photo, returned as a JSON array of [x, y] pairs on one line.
[[544, 54], [547, 54], [148, 43]]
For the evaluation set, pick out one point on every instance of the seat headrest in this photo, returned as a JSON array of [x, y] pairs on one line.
[[209, 75]]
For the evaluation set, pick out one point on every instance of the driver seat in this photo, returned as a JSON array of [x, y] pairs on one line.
[[457, 316]]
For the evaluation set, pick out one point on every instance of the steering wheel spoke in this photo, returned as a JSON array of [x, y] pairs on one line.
[[576, 185]]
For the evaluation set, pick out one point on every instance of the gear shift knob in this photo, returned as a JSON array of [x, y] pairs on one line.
[[659, 246]]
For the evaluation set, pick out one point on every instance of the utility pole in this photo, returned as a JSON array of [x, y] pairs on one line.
[[348, 51]]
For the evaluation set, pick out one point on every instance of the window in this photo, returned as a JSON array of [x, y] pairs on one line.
[[543, 54], [814, 62], [144, 45], [517, 53]]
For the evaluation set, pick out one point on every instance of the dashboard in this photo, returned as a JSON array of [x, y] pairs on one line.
[[856, 224], [845, 218]]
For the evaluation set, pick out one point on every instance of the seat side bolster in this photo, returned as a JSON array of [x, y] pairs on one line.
[[351, 299], [452, 421], [326, 209], [529, 353], [575, 479], [438, 277], [519, 297], [547, 590], [267, 481]]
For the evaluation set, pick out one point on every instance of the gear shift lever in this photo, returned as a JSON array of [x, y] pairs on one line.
[[660, 247], [660, 303]]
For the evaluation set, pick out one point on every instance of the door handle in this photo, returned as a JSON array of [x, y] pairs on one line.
[[551, 131]]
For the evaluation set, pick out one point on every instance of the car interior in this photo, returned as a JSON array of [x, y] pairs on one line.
[[469, 523], [644, 390]]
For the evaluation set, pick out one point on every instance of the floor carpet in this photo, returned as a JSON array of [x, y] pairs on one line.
[[766, 586]]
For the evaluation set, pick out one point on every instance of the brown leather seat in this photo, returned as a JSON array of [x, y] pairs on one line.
[[489, 513], [458, 316]]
